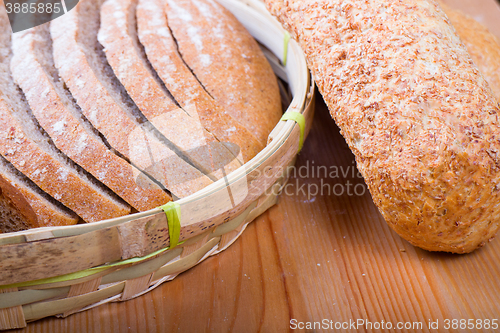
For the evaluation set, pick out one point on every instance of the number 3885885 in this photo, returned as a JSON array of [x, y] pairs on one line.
[[33, 8]]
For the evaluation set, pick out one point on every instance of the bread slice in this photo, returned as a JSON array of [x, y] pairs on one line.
[[483, 46], [24, 205], [70, 131], [83, 66], [227, 61], [118, 33]]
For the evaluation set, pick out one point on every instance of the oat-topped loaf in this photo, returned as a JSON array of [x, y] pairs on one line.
[[415, 110], [103, 115]]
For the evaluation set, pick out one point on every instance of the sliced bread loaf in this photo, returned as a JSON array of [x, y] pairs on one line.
[[118, 24], [70, 131], [24, 205], [126, 56], [103, 100], [227, 61], [25, 145]]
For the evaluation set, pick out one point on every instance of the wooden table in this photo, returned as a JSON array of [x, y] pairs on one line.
[[315, 257]]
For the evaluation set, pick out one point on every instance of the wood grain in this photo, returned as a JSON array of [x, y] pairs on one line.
[[311, 258]]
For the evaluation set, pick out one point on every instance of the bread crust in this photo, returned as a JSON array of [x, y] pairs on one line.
[[414, 109], [228, 62], [483, 46], [68, 133]]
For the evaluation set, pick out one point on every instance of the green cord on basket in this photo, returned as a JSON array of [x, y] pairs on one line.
[[299, 119], [285, 47], [84, 273], [173, 212]]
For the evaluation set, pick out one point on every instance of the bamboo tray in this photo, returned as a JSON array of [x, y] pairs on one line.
[[63, 270]]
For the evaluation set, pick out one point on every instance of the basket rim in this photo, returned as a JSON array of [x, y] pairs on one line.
[[300, 83]]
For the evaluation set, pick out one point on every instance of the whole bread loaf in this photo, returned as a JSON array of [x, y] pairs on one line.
[[415, 110], [107, 135]]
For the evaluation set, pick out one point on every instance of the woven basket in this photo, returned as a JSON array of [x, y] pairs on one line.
[[63, 270]]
